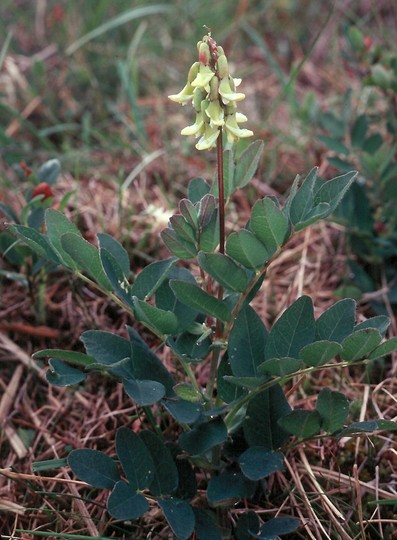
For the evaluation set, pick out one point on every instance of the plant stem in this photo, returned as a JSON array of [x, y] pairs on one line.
[[221, 192]]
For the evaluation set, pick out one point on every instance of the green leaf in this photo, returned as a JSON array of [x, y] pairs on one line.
[[280, 367], [247, 343], [36, 241], [196, 298], [49, 171], [184, 412], [303, 424], [302, 201], [293, 330], [359, 131], [188, 392], [94, 467], [333, 191], [229, 487], [198, 188], [124, 503], [57, 224], [187, 485], [116, 276], [227, 391], [135, 459], [224, 270], [61, 374], [204, 436], [179, 515], [72, 357], [359, 344], [313, 216], [165, 479], [333, 408], [182, 250], [209, 234], [245, 248], [263, 412], [189, 212], [161, 321], [247, 164], [258, 462], [205, 528], [144, 392], [183, 230], [372, 144], [152, 277], [340, 164], [384, 349], [105, 347], [269, 224], [146, 365], [113, 247], [335, 145], [320, 352], [276, 526], [380, 322], [337, 322], [86, 256], [359, 427], [332, 123], [188, 346]]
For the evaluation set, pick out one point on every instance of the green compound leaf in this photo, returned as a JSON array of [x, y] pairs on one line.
[[360, 344], [247, 343], [165, 478], [61, 374], [57, 225], [269, 224], [258, 462], [244, 247], [86, 256], [36, 241], [224, 270], [194, 297], [159, 320], [144, 392], [303, 424], [384, 349], [72, 357], [135, 459], [124, 503], [294, 330], [184, 412], [182, 250], [302, 201], [94, 467], [247, 164], [228, 488], [333, 408], [183, 230], [337, 322], [204, 436], [247, 525], [260, 425], [151, 278], [276, 526], [180, 516], [320, 352]]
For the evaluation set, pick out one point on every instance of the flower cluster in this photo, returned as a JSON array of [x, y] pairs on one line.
[[212, 91]]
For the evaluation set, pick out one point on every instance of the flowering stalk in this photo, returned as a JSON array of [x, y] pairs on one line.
[[212, 92]]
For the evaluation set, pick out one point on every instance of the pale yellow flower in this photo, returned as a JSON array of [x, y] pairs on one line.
[[208, 140], [227, 93], [233, 130]]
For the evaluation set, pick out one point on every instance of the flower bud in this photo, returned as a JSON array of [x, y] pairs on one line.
[[193, 72], [204, 54], [223, 68]]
